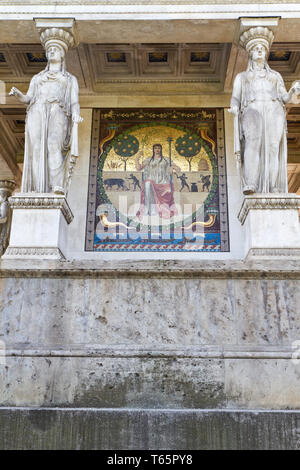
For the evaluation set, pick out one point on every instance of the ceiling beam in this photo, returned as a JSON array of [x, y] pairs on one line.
[[9, 148], [13, 117], [237, 62]]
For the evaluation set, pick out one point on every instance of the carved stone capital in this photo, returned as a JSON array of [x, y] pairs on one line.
[[57, 30], [257, 29], [42, 201], [253, 36], [7, 185], [268, 201]]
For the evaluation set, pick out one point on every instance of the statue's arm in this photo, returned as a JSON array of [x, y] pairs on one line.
[[283, 94], [235, 102], [75, 107], [24, 99], [287, 96]]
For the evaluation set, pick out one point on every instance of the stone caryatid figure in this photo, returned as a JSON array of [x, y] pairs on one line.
[[6, 188], [258, 104], [53, 114]]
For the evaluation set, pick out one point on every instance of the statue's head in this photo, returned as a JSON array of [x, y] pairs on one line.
[[55, 53], [258, 51], [257, 42], [56, 42]]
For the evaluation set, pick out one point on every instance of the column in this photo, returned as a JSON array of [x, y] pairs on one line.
[[41, 213], [269, 214]]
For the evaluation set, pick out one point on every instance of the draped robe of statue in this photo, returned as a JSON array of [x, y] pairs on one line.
[[49, 131], [157, 195], [262, 118]]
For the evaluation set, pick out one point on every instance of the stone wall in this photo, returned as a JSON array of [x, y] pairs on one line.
[[150, 334]]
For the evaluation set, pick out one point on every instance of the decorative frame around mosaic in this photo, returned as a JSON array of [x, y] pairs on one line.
[[114, 178]]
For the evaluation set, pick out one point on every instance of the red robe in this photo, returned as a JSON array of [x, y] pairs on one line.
[[164, 202]]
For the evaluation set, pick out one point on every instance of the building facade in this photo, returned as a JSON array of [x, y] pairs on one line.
[[147, 299]]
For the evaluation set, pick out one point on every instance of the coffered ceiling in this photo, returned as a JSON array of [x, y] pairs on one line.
[[98, 64], [112, 68]]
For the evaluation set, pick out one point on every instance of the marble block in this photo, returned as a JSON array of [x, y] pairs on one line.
[[271, 225], [39, 226]]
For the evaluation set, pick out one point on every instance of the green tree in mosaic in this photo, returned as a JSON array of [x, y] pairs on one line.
[[126, 146], [188, 147]]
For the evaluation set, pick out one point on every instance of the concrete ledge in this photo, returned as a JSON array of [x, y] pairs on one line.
[[285, 268], [92, 429]]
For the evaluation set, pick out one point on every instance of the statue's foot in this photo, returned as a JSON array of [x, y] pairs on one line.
[[59, 190], [249, 190]]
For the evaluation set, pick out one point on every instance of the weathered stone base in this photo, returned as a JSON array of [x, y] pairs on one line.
[[39, 227], [124, 429], [271, 225]]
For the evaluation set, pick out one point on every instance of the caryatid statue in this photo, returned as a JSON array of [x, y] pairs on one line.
[[53, 114], [6, 188], [258, 104]]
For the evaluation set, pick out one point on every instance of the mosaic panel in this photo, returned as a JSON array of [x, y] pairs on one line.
[[157, 181]]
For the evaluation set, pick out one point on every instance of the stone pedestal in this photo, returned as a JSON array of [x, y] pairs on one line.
[[271, 223], [39, 226]]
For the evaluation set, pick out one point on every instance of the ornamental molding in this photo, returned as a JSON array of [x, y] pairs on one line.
[[213, 352], [33, 253], [135, 10], [42, 201], [271, 252], [265, 201], [160, 80]]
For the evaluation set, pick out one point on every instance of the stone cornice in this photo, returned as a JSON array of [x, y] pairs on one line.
[[135, 10], [268, 201], [156, 269], [42, 201]]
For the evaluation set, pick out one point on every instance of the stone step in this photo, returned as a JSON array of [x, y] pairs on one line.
[[147, 429]]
